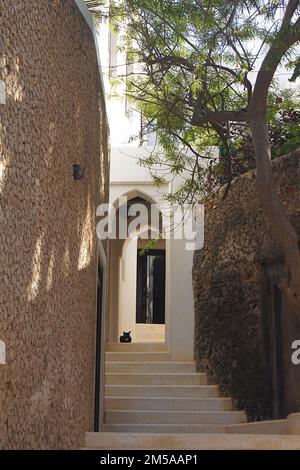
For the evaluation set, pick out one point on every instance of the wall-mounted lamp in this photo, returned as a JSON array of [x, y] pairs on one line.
[[78, 171]]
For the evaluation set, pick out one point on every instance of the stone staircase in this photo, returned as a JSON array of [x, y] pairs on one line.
[[152, 402], [147, 392]]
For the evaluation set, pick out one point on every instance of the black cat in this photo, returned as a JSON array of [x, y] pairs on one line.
[[126, 338]]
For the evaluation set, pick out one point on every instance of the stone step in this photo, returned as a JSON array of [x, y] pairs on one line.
[[155, 379], [165, 428], [150, 367], [171, 403], [279, 426], [150, 356], [126, 441], [174, 417], [185, 391], [135, 347]]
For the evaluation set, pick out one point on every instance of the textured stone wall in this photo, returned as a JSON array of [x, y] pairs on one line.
[[53, 117], [229, 276]]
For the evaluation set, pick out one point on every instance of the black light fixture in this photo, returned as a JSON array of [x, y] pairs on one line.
[[78, 171]]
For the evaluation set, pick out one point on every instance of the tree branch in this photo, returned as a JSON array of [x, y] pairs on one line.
[[287, 36], [200, 118], [289, 12], [172, 60]]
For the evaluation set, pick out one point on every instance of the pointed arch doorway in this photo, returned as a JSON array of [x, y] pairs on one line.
[[138, 282]]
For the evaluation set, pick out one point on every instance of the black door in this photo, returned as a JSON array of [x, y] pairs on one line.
[[151, 282], [98, 348], [284, 330]]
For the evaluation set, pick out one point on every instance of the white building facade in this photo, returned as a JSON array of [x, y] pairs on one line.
[[139, 290]]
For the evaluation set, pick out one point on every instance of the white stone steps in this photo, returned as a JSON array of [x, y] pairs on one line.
[[151, 367], [155, 378], [149, 356], [136, 347], [174, 417], [164, 428], [188, 391], [146, 392], [168, 404], [126, 441]]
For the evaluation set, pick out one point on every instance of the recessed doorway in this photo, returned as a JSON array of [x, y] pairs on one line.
[[151, 286]]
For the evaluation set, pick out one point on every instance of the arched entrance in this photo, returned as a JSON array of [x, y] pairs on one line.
[[137, 294]]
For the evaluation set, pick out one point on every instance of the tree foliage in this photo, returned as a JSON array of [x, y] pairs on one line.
[[206, 68], [284, 135], [197, 58]]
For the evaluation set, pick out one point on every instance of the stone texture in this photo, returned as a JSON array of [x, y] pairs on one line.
[[178, 441], [230, 323], [54, 116]]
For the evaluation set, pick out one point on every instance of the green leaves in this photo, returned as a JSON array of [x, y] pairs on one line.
[[296, 73], [195, 57]]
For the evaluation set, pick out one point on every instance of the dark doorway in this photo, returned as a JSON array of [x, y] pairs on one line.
[[284, 329], [151, 286], [98, 348]]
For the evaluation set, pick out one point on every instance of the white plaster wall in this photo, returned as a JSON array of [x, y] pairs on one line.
[[179, 292], [148, 190], [127, 293], [180, 329], [125, 168], [128, 177], [124, 165]]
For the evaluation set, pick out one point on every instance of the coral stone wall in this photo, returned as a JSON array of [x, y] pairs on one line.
[[230, 317], [53, 117]]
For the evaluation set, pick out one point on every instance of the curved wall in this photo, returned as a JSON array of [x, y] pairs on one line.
[[54, 116]]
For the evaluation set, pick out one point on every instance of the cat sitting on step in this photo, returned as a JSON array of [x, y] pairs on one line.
[[126, 338]]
